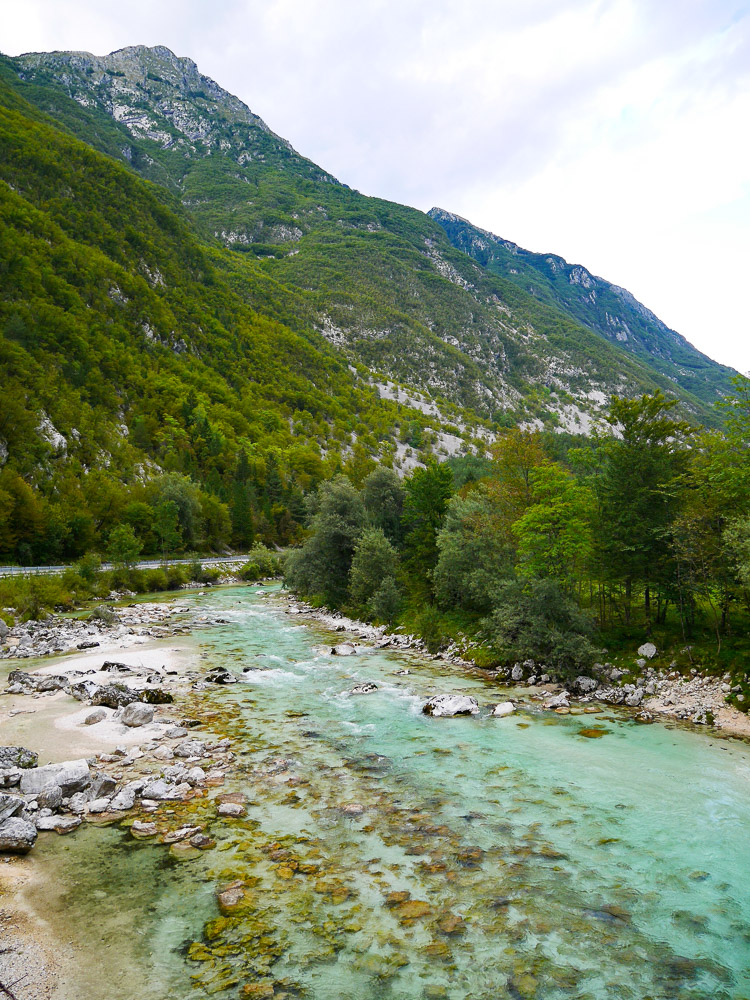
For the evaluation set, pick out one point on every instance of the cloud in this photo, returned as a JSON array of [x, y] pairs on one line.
[[610, 131]]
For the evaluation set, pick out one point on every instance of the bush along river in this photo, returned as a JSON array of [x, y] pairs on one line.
[[358, 848]]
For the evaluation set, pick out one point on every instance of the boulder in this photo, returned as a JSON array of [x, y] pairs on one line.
[[71, 776], [58, 824], [366, 687], [516, 673], [159, 789], [98, 715], [234, 809], [220, 677], [114, 666], [634, 698], [17, 836], [103, 614], [451, 704], [17, 757], [559, 701], [156, 696], [10, 805], [99, 805], [125, 799], [190, 748], [585, 685], [113, 696], [137, 714], [344, 649], [102, 785], [3, 629], [504, 708], [647, 650], [50, 797], [10, 777]]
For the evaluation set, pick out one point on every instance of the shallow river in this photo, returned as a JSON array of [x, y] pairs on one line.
[[543, 856]]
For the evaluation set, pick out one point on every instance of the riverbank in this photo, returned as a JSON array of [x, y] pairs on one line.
[[655, 694]]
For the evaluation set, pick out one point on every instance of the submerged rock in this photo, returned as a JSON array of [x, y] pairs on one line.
[[448, 705]]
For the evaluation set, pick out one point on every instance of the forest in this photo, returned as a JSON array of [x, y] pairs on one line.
[[565, 555]]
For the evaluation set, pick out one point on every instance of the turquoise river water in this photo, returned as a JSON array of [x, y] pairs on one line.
[[388, 854]]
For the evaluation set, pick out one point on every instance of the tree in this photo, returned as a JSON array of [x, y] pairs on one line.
[[639, 489], [373, 564], [555, 532], [321, 567], [427, 493], [166, 526], [383, 497], [475, 556], [535, 619], [123, 548]]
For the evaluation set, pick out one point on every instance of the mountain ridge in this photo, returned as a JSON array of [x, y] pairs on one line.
[[381, 281], [602, 306]]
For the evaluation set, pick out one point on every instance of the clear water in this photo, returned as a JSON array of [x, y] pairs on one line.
[[547, 863]]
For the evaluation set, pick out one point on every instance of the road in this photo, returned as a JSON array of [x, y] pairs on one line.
[[145, 564]]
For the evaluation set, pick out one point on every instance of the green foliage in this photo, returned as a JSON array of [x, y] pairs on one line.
[[262, 564], [475, 557], [372, 577], [123, 548], [427, 493], [321, 567], [535, 620]]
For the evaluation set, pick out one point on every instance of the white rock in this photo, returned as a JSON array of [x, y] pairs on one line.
[[648, 650], [504, 708], [137, 714], [451, 704]]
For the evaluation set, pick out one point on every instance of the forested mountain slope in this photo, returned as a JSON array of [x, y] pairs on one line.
[[126, 352], [380, 280], [599, 305]]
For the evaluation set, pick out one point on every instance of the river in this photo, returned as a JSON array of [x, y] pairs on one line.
[[385, 853]]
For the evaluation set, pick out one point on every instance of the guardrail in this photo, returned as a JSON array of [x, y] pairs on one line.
[[143, 564]]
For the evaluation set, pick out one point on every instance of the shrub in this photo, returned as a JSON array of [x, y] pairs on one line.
[[536, 620]]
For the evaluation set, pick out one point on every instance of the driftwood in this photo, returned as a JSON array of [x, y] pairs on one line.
[[7, 991]]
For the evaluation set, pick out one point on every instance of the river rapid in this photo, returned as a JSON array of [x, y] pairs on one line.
[[388, 854]]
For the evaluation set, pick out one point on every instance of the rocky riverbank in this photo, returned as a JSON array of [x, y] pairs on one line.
[[652, 693], [135, 750]]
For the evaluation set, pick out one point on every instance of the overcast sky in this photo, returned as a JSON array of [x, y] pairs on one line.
[[613, 132]]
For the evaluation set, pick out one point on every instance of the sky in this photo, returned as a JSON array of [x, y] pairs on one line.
[[615, 133]]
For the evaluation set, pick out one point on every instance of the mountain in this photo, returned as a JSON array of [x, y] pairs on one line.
[[381, 281], [604, 308], [186, 295]]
